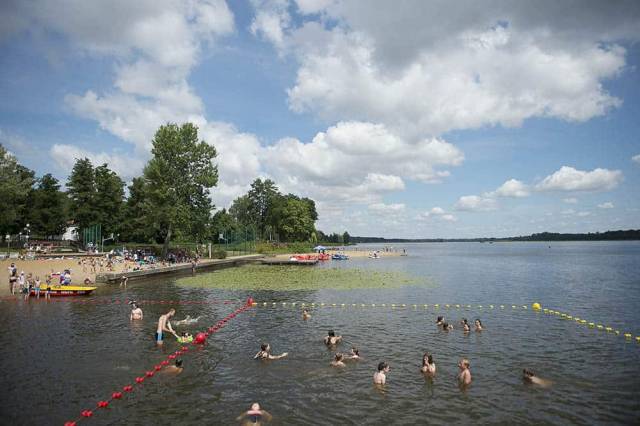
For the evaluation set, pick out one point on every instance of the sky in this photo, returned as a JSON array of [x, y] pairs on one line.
[[414, 119]]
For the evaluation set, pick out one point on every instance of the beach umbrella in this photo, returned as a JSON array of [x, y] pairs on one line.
[[319, 248]]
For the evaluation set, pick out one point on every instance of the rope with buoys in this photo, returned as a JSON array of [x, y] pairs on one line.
[[105, 301], [200, 339]]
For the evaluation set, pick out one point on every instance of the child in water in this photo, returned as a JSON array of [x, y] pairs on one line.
[[337, 362], [428, 366], [305, 314], [331, 339], [478, 325], [265, 353], [254, 416], [465, 325], [440, 320], [176, 368], [464, 377], [185, 338], [446, 326], [380, 376], [354, 355]]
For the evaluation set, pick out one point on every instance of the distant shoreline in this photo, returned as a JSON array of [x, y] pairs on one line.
[[622, 235]]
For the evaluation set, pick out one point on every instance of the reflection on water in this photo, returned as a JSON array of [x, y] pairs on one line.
[[67, 356]]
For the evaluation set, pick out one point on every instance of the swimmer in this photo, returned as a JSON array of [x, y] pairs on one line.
[[446, 326], [380, 376], [254, 416], [354, 355], [265, 353], [338, 361], [464, 377], [165, 325], [136, 312], [305, 314], [439, 320], [176, 368], [187, 320], [478, 325], [530, 377], [465, 325], [331, 339], [428, 366]]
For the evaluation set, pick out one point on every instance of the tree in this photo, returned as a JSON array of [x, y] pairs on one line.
[[240, 210], [135, 226], [108, 199], [262, 196], [46, 207], [222, 223], [296, 222], [346, 237], [81, 191], [15, 183], [178, 178]]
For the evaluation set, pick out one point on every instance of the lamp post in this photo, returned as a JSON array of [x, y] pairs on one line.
[[27, 230]]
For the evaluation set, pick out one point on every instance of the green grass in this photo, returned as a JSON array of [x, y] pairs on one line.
[[266, 277]]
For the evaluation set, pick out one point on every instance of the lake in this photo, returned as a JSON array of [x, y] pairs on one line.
[[61, 357]]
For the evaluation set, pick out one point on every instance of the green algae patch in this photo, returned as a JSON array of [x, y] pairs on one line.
[[264, 277]]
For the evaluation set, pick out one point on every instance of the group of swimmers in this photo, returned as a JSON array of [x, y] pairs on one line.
[[466, 328]]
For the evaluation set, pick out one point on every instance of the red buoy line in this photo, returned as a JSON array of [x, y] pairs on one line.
[[106, 301], [200, 339]]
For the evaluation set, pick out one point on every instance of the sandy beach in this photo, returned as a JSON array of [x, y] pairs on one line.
[[351, 252]]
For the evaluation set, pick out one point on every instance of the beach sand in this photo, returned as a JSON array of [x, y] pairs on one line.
[[351, 252]]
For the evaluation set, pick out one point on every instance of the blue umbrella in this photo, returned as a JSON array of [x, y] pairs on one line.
[[319, 248]]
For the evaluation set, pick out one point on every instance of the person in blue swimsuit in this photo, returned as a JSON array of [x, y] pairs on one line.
[[254, 416]]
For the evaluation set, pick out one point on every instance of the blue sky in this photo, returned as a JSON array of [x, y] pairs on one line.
[[411, 120]]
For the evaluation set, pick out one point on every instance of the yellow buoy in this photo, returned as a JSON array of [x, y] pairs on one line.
[[536, 306], [254, 304], [638, 339], [627, 335], [591, 325]]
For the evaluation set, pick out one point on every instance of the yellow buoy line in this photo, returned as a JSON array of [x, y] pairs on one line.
[[536, 307]]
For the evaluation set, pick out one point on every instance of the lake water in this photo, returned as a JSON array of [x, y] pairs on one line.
[[60, 358]]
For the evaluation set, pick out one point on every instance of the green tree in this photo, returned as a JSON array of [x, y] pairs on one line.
[[296, 222], [16, 182], [240, 210], [46, 208], [178, 178], [135, 224], [108, 199], [346, 237], [81, 190], [262, 196], [222, 223]]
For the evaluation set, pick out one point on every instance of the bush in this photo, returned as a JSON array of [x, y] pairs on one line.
[[219, 254]]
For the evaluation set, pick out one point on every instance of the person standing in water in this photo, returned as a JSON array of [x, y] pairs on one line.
[[305, 314], [254, 416], [338, 361], [331, 339], [174, 369], [478, 325], [464, 377], [165, 325], [136, 312], [380, 376], [265, 353], [428, 366]]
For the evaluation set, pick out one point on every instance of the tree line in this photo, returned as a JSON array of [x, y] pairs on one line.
[[169, 201]]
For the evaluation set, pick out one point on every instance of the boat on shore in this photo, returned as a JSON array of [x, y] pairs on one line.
[[65, 290], [340, 256]]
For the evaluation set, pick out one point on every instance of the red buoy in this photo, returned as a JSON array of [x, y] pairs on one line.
[[87, 413], [185, 348], [172, 356], [127, 388], [103, 404], [149, 373], [139, 379], [69, 423], [116, 395], [165, 362], [250, 301], [157, 367], [200, 339]]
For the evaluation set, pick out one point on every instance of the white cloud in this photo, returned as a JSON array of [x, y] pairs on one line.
[[570, 200], [607, 205], [584, 214], [570, 179], [474, 203], [512, 188], [126, 166], [568, 212], [436, 211], [636, 158], [449, 218], [386, 208]]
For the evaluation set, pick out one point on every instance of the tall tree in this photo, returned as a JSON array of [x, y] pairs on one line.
[[178, 178], [108, 199], [262, 196], [296, 222], [222, 224], [240, 210], [81, 190], [46, 207], [135, 227], [15, 183], [346, 237]]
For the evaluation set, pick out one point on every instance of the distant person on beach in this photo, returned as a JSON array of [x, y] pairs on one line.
[[380, 376], [529, 377], [464, 377], [176, 368], [440, 320], [13, 277], [478, 325], [428, 366], [331, 339], [37, 287], [136, 312], [165, 325], [254, 416], [338, 361], [305, 314], [47, 294], [265, 353]]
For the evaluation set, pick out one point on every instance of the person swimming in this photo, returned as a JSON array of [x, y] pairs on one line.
[[338, 361], [380, 376], [254, 416], [305, 314], [331, 339], [478, 324], [428, 366], [353, 355], [187, 320], [265, 353], [465, 325], [440, 320], [446, 326], [464, 377], [529, 377], [174, 369]]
